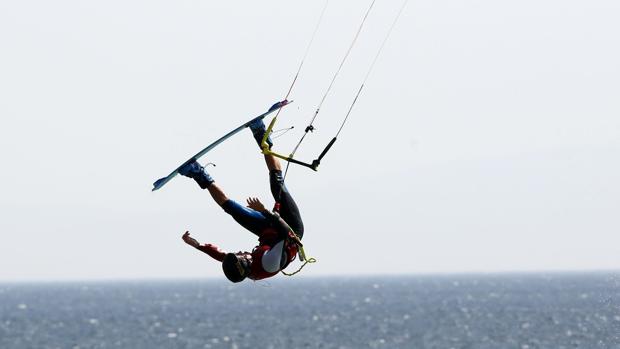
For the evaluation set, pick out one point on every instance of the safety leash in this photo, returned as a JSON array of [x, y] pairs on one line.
[[308, 261], [302, 256]]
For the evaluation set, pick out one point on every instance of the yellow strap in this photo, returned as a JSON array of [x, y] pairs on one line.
[[265, 146], [310, 260], [306, 261]]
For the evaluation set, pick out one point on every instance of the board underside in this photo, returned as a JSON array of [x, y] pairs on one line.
[[162, 181]]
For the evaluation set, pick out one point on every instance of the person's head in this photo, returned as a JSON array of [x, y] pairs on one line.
[[236, 266]]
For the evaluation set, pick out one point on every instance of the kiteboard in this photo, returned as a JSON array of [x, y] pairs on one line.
[[162, 181]]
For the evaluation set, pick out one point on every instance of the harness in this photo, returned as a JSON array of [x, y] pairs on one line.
[[292, 238]]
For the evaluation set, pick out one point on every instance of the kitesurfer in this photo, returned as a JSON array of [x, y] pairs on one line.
[[279, 232]]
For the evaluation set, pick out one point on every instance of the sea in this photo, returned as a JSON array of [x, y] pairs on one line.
[[520, 311]]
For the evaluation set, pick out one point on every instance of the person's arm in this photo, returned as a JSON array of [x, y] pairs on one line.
[[212, 250]]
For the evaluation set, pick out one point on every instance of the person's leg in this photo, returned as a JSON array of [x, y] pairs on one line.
[[252, 220], [287, 207], [248, 218], [273, 163], [258, 131], [217, 194]]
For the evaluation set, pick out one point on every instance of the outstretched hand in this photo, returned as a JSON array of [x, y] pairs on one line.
[[255, 204], [190, 240]]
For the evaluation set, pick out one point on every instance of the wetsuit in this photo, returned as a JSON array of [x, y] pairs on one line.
[[275, 250]]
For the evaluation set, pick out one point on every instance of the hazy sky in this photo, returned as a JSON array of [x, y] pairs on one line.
[[487, 139]]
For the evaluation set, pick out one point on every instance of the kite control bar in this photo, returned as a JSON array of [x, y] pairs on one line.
[[313, 165]]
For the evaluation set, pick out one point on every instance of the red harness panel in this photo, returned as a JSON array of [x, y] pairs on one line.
[[257, 272]]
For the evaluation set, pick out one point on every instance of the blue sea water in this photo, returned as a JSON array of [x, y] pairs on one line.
[[552, 311]]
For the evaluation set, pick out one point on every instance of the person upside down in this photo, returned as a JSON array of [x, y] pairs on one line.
[[279, 232]]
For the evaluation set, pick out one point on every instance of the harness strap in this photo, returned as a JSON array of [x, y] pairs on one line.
[[302, 254], [292, 237], [310, 260]]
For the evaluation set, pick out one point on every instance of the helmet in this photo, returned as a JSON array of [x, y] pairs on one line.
[[236, 267]]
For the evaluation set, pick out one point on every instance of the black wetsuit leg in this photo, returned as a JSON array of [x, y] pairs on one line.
[[288, 208]]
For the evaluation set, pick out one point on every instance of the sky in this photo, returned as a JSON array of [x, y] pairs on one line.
[[487, 138]]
